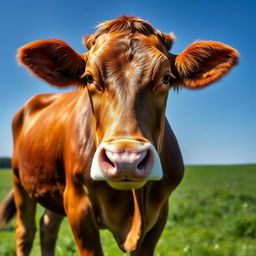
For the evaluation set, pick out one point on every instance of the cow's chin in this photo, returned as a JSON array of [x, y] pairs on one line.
[[126, 185]]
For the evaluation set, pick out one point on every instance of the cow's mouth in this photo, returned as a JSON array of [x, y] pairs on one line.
[[126, 184], [126, 180]]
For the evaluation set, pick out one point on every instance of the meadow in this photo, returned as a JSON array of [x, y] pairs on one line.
[[212, 213]]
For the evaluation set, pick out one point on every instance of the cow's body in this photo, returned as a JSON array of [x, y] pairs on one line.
[[104, 155], [40, 166]]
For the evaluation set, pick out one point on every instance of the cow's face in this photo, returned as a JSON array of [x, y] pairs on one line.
[[128, 72], [128, 79]]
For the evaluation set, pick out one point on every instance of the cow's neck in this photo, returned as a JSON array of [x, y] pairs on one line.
[[134, 235]]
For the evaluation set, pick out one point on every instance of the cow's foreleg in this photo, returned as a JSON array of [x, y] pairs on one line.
[[25, 224], [148, 245], [49, 227], [81, 219]]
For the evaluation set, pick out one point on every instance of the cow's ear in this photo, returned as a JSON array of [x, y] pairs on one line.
[[202, 63], [54, 61]]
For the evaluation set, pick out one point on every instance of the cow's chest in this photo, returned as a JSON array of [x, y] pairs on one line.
[[116, 212]]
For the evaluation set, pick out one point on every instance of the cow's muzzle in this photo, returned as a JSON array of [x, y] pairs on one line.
[[126, 164]]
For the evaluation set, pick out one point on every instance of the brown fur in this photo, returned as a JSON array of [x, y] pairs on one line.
[[56, 135], [131, 25], [52, 60], [205, 62]]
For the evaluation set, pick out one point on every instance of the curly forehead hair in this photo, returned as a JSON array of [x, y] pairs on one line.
[[128, 24]]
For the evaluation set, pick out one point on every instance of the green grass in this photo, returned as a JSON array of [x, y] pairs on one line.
[[212, 213]]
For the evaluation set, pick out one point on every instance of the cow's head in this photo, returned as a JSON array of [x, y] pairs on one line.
[[128, 71]]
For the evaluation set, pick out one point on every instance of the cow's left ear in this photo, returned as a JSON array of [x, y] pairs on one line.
[[202, 63], [54, 61]]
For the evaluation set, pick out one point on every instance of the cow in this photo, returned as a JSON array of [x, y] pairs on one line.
[[104, 154]]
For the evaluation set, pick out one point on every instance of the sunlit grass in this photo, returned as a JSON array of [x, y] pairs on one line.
[[212, 213]]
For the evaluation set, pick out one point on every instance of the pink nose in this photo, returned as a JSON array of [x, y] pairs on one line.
[[126, 164]]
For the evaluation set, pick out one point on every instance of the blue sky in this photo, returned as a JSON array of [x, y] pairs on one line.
[[216, 125]]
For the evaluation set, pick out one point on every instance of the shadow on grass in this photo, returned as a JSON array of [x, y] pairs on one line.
[[7, 229]]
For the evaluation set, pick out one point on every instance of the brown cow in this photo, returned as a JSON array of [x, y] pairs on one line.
[[104, 155]]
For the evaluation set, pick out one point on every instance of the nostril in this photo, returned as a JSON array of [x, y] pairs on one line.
[[144, 162], [105, 161]]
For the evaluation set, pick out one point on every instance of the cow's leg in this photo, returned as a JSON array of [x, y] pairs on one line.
[[49, 227], [25, 224], [81, 219], [148, 245]]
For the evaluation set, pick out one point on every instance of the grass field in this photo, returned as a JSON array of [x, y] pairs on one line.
[[212, 213]]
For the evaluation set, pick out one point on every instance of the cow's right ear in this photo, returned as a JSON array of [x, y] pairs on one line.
[[54, 61]]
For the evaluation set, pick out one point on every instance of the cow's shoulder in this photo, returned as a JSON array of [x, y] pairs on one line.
[[39, 102], [32, 106]]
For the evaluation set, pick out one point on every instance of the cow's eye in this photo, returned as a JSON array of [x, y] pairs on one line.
[[166, 79], [89, 79]]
